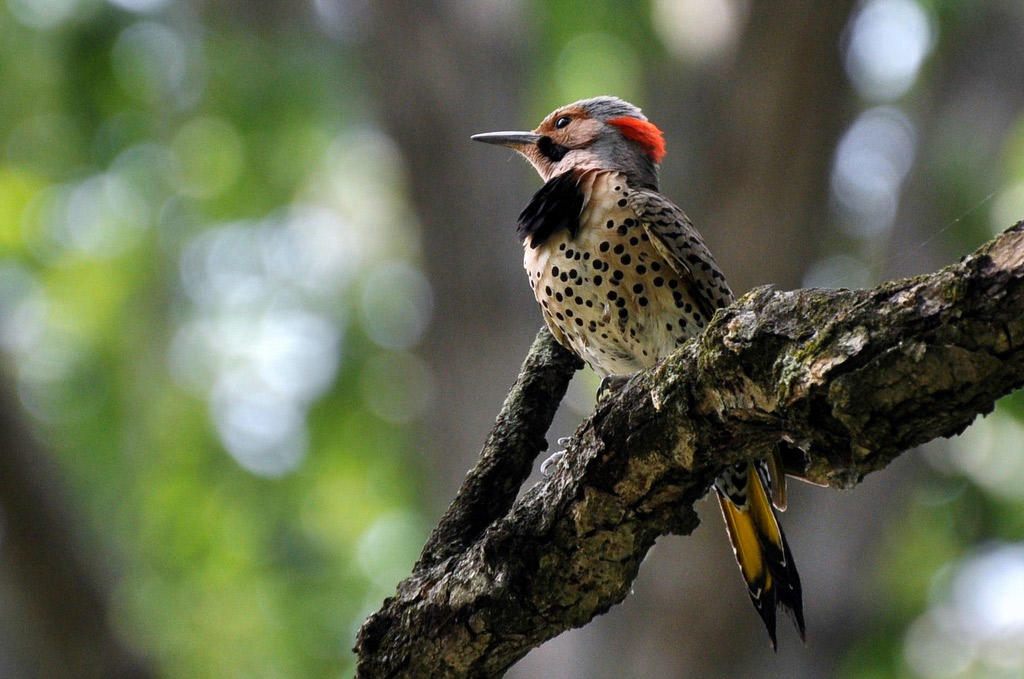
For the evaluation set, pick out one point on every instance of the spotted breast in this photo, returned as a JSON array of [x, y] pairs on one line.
[[604, 288]]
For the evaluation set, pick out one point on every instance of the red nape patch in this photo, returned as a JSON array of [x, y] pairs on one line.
[[644, 133]]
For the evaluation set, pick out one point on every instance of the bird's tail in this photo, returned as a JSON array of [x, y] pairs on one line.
[[761, 550]]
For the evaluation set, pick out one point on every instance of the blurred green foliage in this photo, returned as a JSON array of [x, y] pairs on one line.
[[124, 138], [150, 166]]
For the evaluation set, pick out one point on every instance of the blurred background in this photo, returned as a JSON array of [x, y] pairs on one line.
[[261, 299]]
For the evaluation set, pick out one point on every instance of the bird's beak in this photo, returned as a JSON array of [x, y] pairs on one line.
[[512, 139]]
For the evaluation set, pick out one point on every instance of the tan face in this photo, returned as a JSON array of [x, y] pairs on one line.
[[568, 127]]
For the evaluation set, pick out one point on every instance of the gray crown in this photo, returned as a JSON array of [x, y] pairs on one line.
[[605, 108]]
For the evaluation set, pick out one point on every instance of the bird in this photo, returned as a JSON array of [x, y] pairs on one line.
[[622, 279]]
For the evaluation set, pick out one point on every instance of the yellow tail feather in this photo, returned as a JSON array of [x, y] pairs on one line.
[[762, 552], [743, 533]]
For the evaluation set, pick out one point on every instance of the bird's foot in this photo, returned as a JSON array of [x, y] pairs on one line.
[[547, 466], [609, 385]]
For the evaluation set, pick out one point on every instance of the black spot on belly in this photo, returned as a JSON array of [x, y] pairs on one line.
[[625, 259], [619, 248], [623, 314], [622, 202], [598, 280]]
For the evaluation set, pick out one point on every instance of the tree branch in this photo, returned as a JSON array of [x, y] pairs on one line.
[[844, 380]]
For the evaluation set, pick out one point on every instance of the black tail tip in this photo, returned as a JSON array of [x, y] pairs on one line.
[[767, 608]]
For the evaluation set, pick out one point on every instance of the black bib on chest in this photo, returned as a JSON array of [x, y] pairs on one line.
[[555, 206]]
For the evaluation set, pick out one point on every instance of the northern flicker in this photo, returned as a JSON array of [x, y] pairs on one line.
[[623, 278]]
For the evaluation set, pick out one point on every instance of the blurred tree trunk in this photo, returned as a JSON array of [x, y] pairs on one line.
[[443, 71], [57, 604], [768, 123]]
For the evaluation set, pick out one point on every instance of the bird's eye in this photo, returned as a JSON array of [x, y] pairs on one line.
[[562, 122]]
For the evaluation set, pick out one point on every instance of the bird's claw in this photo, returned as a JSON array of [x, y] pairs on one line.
[[546, 467], [609, 385]]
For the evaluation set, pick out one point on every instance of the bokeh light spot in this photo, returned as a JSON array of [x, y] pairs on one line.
[[396, 305], [139, 5], [42, 13], [387, 549], [17, 187], [871, 162], [697, 30], [104, 216], [888, 43], [263, 430], [982, 454], [975, 626], [23, 308], [150, 62]]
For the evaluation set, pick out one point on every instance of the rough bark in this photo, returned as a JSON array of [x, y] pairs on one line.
[[507, 456], [844, 380]]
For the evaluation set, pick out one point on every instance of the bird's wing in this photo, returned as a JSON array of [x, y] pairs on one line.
[[683, 248]]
